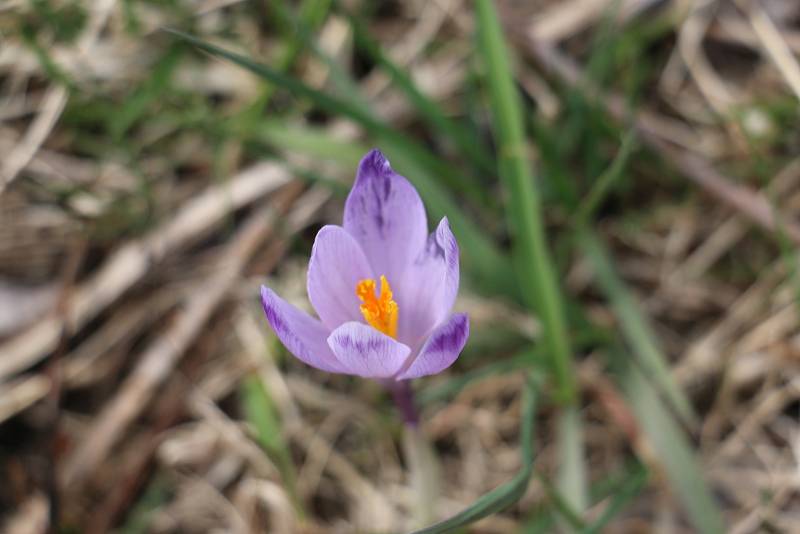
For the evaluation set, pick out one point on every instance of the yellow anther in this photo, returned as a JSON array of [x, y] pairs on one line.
[[380, 311]]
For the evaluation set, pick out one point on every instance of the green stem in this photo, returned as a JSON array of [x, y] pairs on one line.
[[423, 466], [424, 475], [537, 274]]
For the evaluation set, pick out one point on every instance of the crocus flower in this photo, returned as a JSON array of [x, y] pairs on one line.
[[382, 287]]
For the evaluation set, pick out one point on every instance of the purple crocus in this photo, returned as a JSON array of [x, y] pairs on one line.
[[382, 287]]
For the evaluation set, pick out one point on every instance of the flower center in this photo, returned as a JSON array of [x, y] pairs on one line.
[[380, 311]]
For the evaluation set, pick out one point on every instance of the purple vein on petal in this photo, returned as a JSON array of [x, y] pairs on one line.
[[441, 349], [301, 334], [386, 216], [366, 352]]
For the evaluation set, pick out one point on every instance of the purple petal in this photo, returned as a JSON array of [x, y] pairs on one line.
[[301, 334], [337, 265], [386, 216], [366, 352], [441, 349], [429, 287]]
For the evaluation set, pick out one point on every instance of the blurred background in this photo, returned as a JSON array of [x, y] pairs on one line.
[[623, 177]]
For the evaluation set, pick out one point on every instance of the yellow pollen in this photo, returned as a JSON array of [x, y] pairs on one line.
[[380, 311]]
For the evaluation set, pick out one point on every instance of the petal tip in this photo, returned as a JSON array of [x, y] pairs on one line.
[[442, 348], [376, 159], [447, 242], [374, 166], [463, 318], [459, 331], [266, 294], [267, 303], [444, 234]]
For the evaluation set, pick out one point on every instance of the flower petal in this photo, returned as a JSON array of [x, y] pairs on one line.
[[429, 287], [386, 216], [301, 334], [441, 349], [366, 352], [337, 264]]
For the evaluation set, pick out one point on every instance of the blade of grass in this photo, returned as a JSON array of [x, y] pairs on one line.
[[619, 489], [260, 412], [137, 104], [310, 141], [629, 488], [536, 272], [568, 516], [634, 325], [635, 328], [49, 65], [542, 521], [606, 181], [482, 258], [572, 476], [503, 496], [535, 269], [671, 446]]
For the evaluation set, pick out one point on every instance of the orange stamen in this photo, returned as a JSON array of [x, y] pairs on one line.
[[380, 311]]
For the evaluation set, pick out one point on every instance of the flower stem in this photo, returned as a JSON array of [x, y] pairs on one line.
[[403, 397], [422, 463], [424, 471]]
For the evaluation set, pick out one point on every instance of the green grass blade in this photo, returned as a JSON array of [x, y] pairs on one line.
[[541, 522], [43, 54], [537, 276], [572, 475], [619, 490], [629, 489], [260, 412], [635, 328], [310, 141], [671, 446], [605, 182], [137, 104], [503, 496], [570, 518]]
